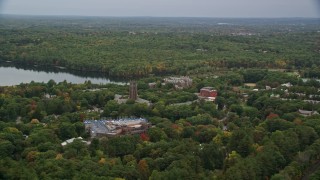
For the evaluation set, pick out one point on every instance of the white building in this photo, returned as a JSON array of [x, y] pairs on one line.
[[72, 139]]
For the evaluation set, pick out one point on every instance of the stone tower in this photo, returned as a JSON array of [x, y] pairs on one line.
[[133, 90]]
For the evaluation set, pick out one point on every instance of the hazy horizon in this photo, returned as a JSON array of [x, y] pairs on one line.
[[164, 8], [146, 16]]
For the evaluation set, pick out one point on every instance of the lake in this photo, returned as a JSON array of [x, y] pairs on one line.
[[10, 76]]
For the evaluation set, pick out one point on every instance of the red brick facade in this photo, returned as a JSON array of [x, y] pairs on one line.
[[208, 92]]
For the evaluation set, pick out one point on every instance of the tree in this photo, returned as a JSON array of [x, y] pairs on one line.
[[67, 131], [156, 134], [237, 109], [39, 136], [220, 101], [188, 132], [271, 160], [51, 83], [287, 142], [241, 142], [111, 109], [212, 156], [76, 149], [143, 169], [248, 168], [79, 128], [307, 135], [275, 124], [6, 149], [114, 146]]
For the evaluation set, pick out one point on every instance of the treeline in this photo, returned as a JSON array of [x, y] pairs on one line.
[[125, 53]]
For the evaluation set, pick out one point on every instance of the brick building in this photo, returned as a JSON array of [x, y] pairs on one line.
[[208, 93]]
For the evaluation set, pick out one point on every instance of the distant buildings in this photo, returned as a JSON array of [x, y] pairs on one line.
[[133, 95], [49, 96], [312, 101], [112, 128], [287, 84], [72, 139], [179, 82], [208, 93], [152, 85], [245, 95], [250, 85], [307, 113], [268, 88], [275, 95]]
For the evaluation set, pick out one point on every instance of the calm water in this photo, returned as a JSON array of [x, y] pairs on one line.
[[13, 76]]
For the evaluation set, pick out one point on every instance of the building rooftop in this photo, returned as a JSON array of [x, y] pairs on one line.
[[113, 127], [307, 113], [287, 84], [179, 82], [71, 141], [208, 88]]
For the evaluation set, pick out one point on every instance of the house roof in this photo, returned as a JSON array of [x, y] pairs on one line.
[[71, 141], [208, 89], [305, 112]]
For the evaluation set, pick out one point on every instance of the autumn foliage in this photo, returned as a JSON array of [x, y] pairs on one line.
[[144, 137], [272, 115]]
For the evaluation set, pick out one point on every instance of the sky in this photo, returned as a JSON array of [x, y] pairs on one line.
[[164, 8]]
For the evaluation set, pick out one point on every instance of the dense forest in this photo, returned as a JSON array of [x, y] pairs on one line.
[[127, 47], [264, 123], [236, 137]]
